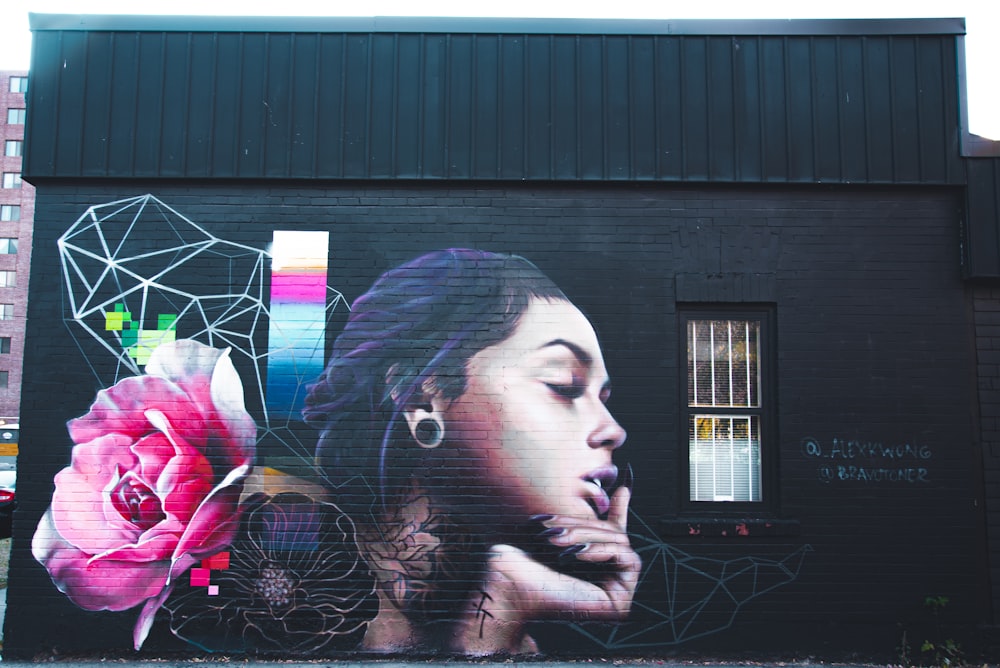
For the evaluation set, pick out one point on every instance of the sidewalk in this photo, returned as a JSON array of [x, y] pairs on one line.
[[203, 662]]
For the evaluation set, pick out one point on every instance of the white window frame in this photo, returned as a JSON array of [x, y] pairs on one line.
[[727, 400]]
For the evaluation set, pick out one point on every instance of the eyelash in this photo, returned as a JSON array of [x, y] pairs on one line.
[[572, 391]]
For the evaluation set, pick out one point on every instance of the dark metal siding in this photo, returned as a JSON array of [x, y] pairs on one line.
[[856, 108], [981, 252]]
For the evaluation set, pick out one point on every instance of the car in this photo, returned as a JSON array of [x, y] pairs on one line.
[[8, 498]]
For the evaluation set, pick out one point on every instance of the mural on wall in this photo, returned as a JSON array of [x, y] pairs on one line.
[[448, 477]]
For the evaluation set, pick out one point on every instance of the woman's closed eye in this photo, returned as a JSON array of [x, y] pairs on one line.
[[571, 390]]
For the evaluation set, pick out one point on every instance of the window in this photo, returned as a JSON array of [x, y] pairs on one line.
[[728, 405], [8, 246], [15, 117], [13, 148], [12, 179], [19, 84], [4, 379], [4, 345], [10, 212], [6, 311], [8, 279]]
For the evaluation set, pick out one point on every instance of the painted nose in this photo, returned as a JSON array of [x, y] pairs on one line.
[[608, 433]]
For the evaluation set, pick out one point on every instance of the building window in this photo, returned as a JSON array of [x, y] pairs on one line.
[[10, 212], [13, 148], [728, 404], [12, 179], [19, 84], [15, 116], [8, 246], [4, 345], [4, 379], [8, 279], [6, 311]]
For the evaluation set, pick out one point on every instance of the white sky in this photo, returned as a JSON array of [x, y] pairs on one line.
[[982, 22]]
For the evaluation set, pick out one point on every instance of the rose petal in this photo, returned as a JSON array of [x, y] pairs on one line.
[[157, 545], [183, 360], [146, 617], [121, 409], [229, 429], [79, 502], [85, 582], [214, 523], [152, 453], [187, 478]]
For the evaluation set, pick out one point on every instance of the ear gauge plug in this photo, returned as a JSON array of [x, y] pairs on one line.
[[428, 433]]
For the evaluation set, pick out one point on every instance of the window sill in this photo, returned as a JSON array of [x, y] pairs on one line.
[[729, 527]]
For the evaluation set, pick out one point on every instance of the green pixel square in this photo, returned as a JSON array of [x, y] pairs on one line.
[[149, 340], [113, 321], [130, 337]]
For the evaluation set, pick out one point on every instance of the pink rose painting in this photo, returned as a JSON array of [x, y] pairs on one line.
[[154, 484]]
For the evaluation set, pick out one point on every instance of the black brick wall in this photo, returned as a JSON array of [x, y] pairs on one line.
[[874, 348]]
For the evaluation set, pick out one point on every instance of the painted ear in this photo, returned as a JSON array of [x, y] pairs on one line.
[[422, 410]]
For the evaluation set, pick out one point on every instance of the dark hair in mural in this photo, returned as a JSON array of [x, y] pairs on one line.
[[419, 323]]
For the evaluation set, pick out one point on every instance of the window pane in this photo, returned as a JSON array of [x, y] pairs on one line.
[[10, 212], [724, 453], [6, 311], [7, 279], [12, 179], [724, 363], [15, 117], [4, 379], [19, 84], [13, 148], [8, 246], [4, 345]]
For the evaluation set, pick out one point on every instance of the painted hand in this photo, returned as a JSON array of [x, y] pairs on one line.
[[595, 580]]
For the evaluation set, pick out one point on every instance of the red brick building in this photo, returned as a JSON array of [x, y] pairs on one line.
[[17, 200]]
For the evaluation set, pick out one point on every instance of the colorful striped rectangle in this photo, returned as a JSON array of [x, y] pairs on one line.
[[297, 331]]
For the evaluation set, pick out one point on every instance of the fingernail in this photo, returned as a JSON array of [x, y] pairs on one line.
[[552, 532], [541, 518], [572, 551], [627, 478]]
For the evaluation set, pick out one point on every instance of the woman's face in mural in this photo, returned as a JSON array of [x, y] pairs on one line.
[[532, 425]]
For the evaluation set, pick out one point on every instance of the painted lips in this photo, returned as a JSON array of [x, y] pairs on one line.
[[598, 482]]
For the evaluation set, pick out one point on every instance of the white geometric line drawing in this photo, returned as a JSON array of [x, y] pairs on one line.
[[700, 596], [142, 259]]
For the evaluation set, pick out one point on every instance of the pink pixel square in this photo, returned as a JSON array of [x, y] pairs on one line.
[[200, 577]]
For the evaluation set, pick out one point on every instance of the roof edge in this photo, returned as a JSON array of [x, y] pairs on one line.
[[406, 24]]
